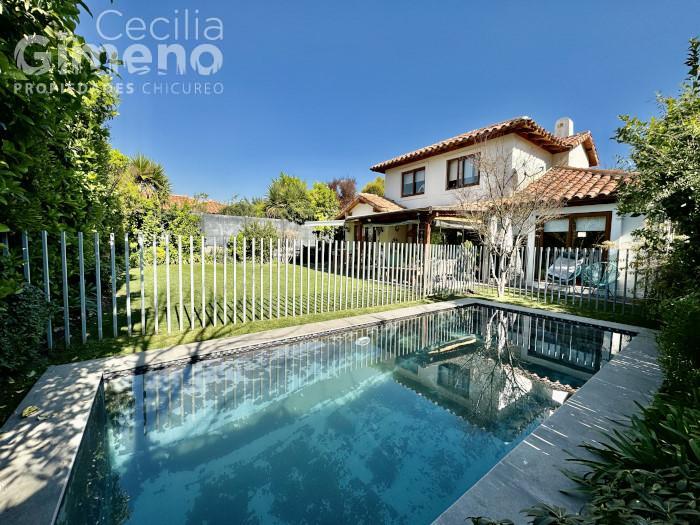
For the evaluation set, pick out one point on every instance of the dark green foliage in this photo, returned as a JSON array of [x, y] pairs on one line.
[[649, 473], [288, 198], [679, 342], [256, 230], [23, 318], [245, 208]]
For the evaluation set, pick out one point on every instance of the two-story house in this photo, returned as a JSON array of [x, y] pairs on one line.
[[425, 188]]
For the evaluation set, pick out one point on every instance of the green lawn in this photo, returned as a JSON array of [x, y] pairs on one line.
[[287, 290]]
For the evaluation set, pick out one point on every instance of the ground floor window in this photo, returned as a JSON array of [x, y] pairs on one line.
[[577, 230]]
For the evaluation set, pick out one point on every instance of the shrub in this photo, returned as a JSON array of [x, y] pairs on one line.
[[256, 230], [679, 342], [23, 318]]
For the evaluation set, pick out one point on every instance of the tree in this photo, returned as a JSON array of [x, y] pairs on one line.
[[150, 178], [504, 210], [345, 189], [323, 201], [665, 152], [55, 143], [245, 208], [376, 186], [288, 198]]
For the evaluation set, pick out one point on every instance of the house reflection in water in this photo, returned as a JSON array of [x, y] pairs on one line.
[[483, 363]]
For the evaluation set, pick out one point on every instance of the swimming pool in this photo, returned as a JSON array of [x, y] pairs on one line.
[[386, 423]]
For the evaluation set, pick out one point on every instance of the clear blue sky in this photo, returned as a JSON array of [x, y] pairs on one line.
[[324, 89]]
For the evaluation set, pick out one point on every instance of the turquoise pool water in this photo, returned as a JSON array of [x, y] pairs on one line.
[[386, 424]]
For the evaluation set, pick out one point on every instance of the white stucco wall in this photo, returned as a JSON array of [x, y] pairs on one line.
[[361, 209], [511, 148], [576, 158]]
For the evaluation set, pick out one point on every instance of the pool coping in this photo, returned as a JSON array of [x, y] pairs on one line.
[[37, 453]]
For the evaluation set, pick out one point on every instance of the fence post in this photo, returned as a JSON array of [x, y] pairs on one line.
[[168, 319], [142, 285], [81, 268], [127, 282], [64, 270], [203, 283], [180, 305], [47, 286], [25, 257], [155, 284], [192, 311]]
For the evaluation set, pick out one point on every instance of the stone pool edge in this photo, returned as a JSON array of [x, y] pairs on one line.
[[37, 453], [532, 472]]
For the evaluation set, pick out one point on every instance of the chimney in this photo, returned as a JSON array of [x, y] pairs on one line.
[[564, 127]]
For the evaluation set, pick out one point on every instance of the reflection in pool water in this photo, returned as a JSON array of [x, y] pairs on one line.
[[390, 423]]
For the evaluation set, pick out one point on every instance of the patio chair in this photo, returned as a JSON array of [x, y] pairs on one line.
[[600, 276], [565, 269]]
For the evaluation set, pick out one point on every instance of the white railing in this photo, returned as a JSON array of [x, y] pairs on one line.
[[126, 286], [108, 286], [595, 278]]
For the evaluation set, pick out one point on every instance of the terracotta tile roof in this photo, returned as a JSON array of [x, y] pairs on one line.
[[208, 206], [523, 126], [574, 185], [379, 204]]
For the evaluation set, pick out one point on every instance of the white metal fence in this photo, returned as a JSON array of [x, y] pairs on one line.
[[103, 286], [593, 278]]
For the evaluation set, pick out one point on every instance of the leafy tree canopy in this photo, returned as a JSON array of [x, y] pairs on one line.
[[376, 186], [54, 160], [254, 207], [665, 152], [288, 198], [324, 202]]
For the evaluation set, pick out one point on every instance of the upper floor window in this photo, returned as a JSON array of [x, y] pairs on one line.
[[413, 182], [462, 172]]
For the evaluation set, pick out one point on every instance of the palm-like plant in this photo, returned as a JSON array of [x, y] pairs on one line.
[[149, 177]]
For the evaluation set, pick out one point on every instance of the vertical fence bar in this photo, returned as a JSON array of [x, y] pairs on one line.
[[324, 272], [168, 320], [340, 269], [308, 279], [142, 284], [328, 267], [224, 245], [245, 280], [180, 298], [316, 305], [252, 279], [269, 261], [98, 283], [156, 323], [286, 275], [617, 275], [127, 282], [335, 274], [235, 280], [338, 276], [584, 261], [279, 279], [262, 281], [64, 271], [203, 284], [25, 257], [192, 310], [635, 266], [81, 265], [624, 284], [47, 285], [214, 295], [294, 278], [301, 278]]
